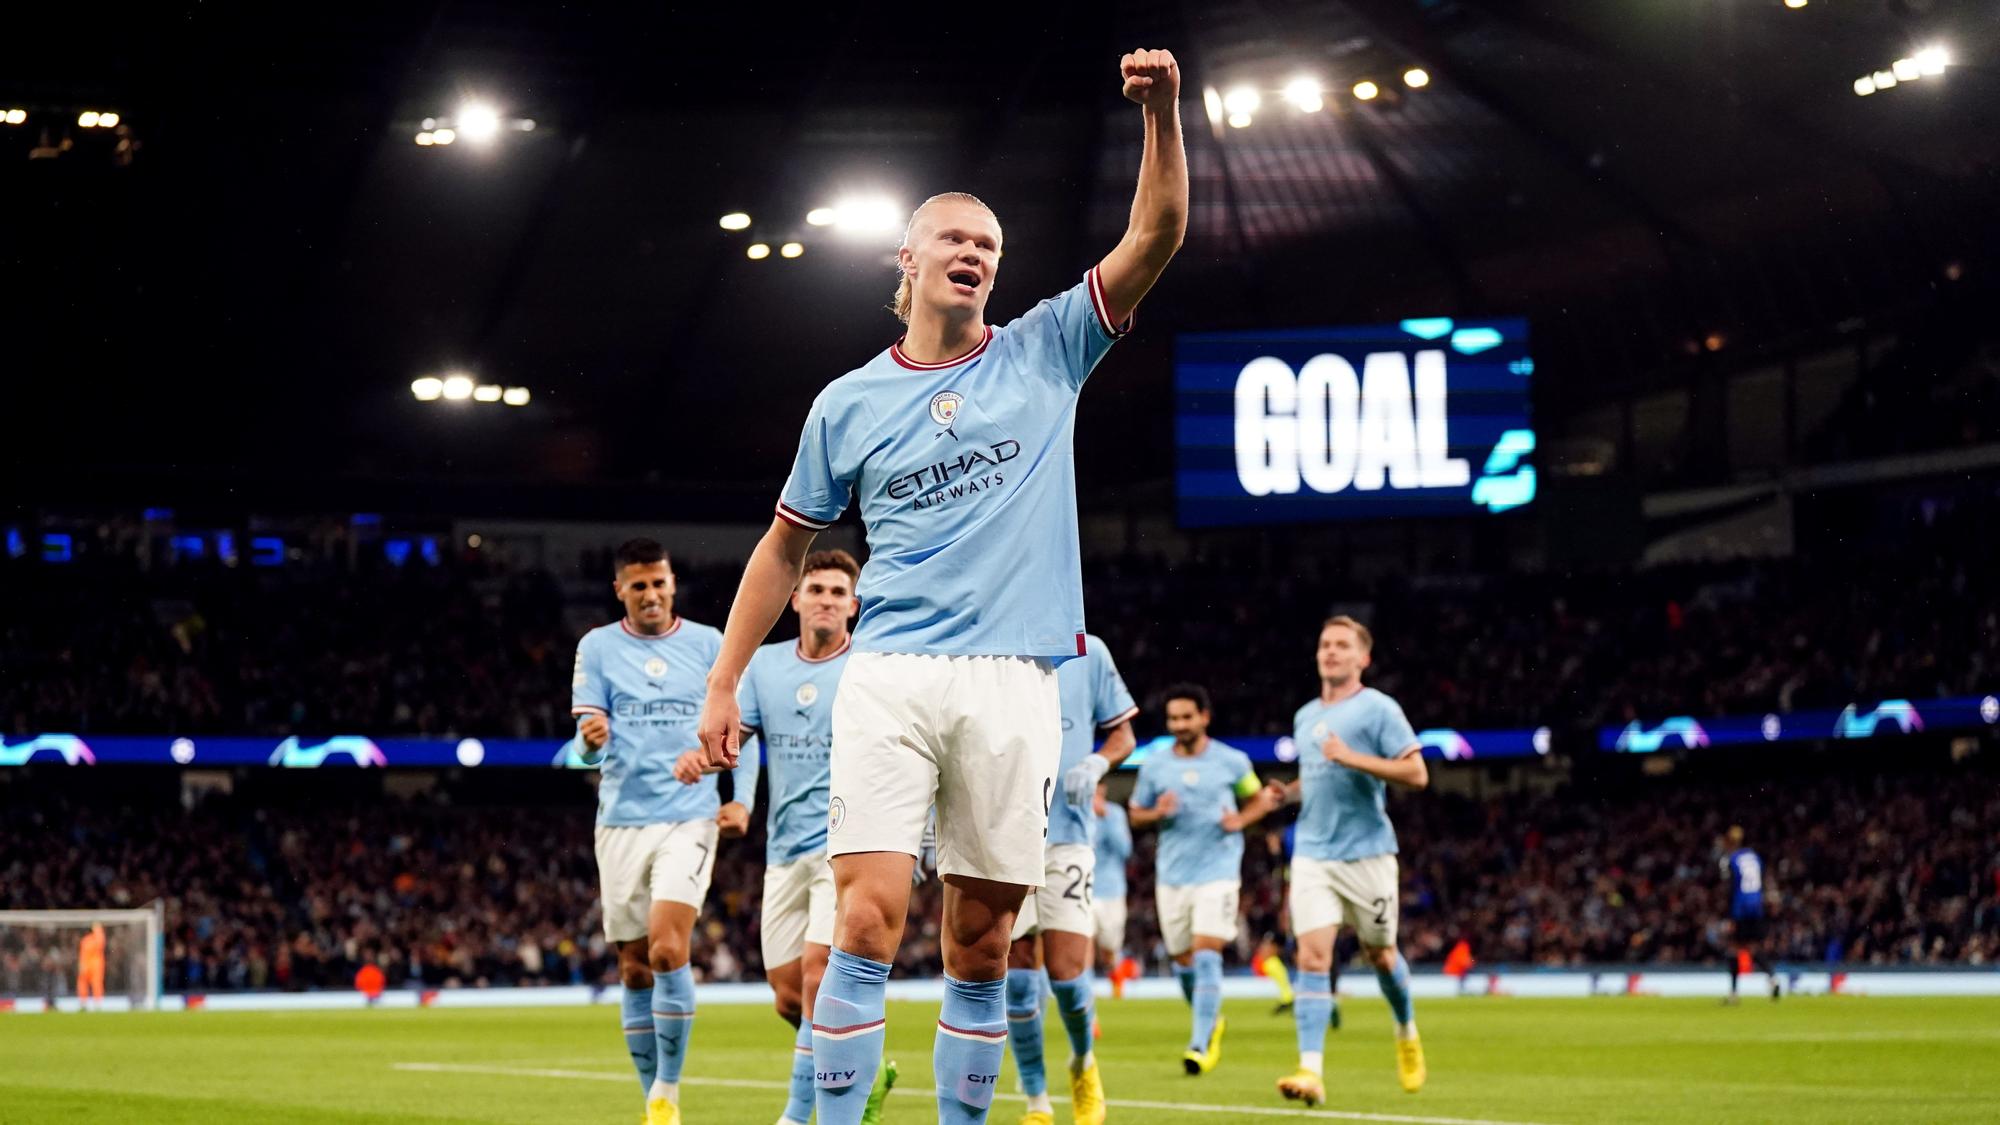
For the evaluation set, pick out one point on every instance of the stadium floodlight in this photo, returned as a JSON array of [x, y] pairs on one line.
[[524, 124], [1416, 78], [1242, 101], [515, 396], [868, 215], [458, 388], [1304, 94], [426, 139], [1795, 5], [16, 116], [735, 220], [1864, 85], [444, 136], [758, 251], [477, 122], [1239, 121], [486, 392], [1906, 70], [1366, 90], [821, 217], [87, 119], [1930, 60], [1885, 80], [107, 121], [1211, 99], [791, 249], [430, 388]]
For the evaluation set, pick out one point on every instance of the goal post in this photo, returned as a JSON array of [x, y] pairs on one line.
[[44, 955]]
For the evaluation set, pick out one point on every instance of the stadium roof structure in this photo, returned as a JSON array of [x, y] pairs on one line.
[[253, 288]]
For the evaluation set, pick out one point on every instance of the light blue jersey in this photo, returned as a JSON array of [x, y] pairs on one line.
[[965, 474], [1112, 837], [651, 689], [1342, 814], [788, 700], [1094, 699], [1194, 848]]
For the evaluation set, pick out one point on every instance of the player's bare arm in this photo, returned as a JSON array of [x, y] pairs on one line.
[[1255, 809], [1165, 807], [1406, 769], [768, 581], [1160, 204], [596, 731]]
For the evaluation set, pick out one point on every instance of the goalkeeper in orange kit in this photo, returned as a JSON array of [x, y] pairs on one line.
[[90, 967]]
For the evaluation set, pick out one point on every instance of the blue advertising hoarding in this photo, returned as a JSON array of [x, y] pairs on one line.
[[1883, 718], [357, 752], [1424, 417]]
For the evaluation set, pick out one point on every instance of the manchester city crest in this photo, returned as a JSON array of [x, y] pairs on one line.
[[655, 668], [807, 694], [944, 411]]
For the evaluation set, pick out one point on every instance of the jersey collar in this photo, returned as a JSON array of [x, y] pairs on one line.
[[896, 353], [800, 649], [625, 623]]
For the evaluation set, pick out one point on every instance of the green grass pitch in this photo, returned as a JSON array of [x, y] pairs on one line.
[[1624, 1059]]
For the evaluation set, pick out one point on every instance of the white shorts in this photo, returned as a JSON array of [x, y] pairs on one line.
[[1110, 916], [1196, 910], [647, 863], [981, 736], [1062, 903], [1362, 893], [798, 908]]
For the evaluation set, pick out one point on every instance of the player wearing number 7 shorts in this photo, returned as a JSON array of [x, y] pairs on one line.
[[1054, 928], [1353, 743], [956, 442], [636, 693]]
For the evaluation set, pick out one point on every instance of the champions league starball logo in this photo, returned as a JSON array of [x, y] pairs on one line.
[[944, 411]]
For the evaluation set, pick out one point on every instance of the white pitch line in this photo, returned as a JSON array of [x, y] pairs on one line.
[[1118, 1103]]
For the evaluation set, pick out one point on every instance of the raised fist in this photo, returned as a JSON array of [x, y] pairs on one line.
[[1152, 78]]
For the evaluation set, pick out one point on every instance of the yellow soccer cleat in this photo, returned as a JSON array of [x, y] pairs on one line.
[[1038, 1117], [1410, 1064], [1201, 1062], [1303, 1086], [1086, 1095], [660, 1111]]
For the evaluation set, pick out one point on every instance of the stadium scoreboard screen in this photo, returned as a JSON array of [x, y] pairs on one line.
[[1424, 417]]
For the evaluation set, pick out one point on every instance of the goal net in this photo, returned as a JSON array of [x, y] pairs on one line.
[[94, 958]]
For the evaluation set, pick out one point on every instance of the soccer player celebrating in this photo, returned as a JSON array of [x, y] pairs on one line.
[[1192, 795], [956, 443], [637, 690], [1055, 924], [1344, 854], [1112, 839], [1743, 871]]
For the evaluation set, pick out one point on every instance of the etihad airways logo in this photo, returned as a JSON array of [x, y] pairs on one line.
[[972, 471]]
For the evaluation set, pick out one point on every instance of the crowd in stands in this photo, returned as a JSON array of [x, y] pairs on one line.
[[468, 648], [1868, 867]]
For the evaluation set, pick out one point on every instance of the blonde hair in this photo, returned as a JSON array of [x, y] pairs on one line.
[[1361, 632], [902, 302]]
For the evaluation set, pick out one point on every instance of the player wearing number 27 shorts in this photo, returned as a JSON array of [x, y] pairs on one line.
[[1353, 743]]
